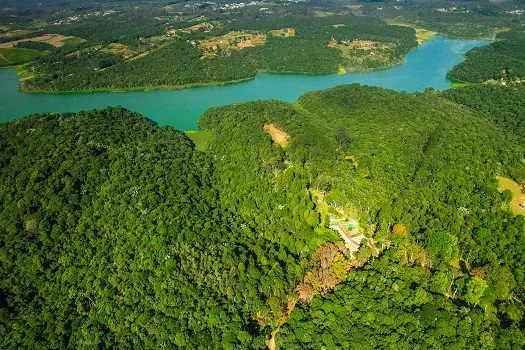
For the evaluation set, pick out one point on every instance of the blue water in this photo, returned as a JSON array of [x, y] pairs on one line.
[[425, 67]]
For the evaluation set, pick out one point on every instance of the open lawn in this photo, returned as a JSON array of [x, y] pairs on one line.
[[518, 197], [14, 56], [200, 138]]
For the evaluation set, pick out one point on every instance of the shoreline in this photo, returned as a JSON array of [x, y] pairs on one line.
[[183, 86], [21, 72]]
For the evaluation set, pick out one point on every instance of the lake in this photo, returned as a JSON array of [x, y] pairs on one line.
[[424, 67]]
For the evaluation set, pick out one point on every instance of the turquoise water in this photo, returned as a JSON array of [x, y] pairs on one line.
[[425, 67]]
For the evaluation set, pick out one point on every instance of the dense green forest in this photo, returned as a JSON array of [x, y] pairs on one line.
[[502, 62], [503, 105], [120, 233]]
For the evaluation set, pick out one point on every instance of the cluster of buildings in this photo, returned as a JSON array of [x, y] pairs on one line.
[[452, 9], [239, 5], [75, 18]]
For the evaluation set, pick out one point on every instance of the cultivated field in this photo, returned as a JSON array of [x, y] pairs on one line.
[[224, 44], [56, 40]]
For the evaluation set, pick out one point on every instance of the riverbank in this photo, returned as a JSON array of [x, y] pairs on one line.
[[135, 89]]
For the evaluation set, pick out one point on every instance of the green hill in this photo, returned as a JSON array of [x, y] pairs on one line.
[[119, 233]]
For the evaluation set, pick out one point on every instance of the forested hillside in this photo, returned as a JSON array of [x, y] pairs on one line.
[[114, 234], [502, 62], [147, 241], [419, 173], [501, 104]]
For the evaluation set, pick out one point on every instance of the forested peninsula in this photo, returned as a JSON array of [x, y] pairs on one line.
[[218, 49], [500, 63], [121, 233]]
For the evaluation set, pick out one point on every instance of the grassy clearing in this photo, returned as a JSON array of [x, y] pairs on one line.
[[283, 33], [15, 33], [423, 35], [224, 44], [73, 41], [502, 30], [279, 137], [204, 26], [518, 197], [459, 84], [56, 40], [200, 138], [15, 56], [362, 54], [24, 74], [119, 49]]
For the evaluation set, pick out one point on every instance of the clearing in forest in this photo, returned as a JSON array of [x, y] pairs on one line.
[[423, 35], [323, 13], [119, 49], [284, 33], [518, 197], [279, 137], [362, 54], [224, 44], [56, 40], [201, 139], [204, 25]]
